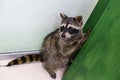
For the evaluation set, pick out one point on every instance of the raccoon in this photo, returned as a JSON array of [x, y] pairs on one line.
[[59, 47]]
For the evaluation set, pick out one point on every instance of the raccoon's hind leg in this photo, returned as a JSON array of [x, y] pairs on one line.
[[52, 74]]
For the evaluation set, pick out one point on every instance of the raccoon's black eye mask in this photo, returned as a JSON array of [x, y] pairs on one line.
[[69, 30]]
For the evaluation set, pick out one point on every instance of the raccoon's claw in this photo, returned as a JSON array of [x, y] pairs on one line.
[[53, 75], [88, 32]]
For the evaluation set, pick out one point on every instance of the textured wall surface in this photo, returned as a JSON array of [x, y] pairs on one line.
[[24, 23]]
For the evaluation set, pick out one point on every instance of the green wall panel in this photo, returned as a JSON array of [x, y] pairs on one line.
[[99, 59], [95, 15]]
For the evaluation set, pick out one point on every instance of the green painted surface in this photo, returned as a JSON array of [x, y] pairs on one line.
[[99, 59], [95, 15]]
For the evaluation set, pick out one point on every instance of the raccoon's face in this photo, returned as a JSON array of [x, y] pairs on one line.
[[70, 26]]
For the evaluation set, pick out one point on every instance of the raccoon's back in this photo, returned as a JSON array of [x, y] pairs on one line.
[[50, 44]]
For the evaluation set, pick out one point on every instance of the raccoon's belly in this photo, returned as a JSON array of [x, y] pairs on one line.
[[55, 62]]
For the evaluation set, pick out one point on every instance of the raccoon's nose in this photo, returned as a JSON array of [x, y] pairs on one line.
[[63, 35]]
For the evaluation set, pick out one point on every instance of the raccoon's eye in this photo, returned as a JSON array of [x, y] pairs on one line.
[[61, 28], [73, 31]]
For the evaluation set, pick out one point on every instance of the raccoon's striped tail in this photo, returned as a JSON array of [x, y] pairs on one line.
[[26, 59]]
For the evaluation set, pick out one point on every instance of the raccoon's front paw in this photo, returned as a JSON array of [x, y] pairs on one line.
[[53, 75], [88, 32]]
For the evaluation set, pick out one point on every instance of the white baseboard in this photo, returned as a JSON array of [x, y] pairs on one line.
[[10, 55]]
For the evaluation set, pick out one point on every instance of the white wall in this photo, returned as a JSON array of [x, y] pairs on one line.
[[24, 23]]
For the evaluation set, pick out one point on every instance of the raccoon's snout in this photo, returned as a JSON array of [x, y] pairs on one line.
[[66, 35], [63, 35]]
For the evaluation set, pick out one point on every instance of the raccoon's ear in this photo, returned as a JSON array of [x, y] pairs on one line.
[[63, 16], [78, 18]]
